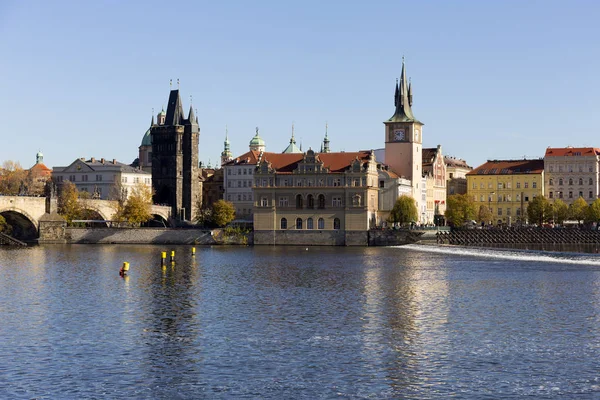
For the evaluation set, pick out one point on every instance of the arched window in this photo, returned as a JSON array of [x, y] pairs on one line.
[[283, 223], [321, 201], [336, 223], [309, 223], [581, 181], [310, 201], [298, 223], [321, 223], [299, 201], [560, 181]]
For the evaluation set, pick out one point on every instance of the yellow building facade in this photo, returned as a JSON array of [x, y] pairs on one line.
[[506, 187]]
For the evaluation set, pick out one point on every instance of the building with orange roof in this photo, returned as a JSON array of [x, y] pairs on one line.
[[572, 172], [315, 198], [38, 175], [506, 187]]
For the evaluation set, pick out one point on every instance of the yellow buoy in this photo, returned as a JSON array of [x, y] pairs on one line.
[[124, 269]]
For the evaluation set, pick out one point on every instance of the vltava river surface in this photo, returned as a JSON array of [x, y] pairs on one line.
[[294, 322]]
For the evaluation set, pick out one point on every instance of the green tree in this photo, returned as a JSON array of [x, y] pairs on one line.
[[539, 210], [484, 214], [223, 212], [136, 209], [560, 211], [68, 202], [460, 209], [404, 211], [4, 226], [593, 212], [579, 210]]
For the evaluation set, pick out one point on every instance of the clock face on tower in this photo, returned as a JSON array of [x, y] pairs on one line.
[[399, 134]]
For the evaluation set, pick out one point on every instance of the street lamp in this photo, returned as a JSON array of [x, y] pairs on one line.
[[490, 205]]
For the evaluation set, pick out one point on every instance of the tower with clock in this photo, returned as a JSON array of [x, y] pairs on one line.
[[403, 136]]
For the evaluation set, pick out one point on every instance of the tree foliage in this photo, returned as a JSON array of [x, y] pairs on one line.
[[223, 212], [539, 210], [68, 202], [593, 212], [579, 209], [136, 209], [460, 209], [560, 211], [13, 178], [404, 211], [4, 226], [484, 214]]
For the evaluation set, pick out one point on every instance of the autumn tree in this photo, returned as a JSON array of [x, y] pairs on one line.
[[539, 210], [13, 178], [404, 211], [223, 212], [560, 211], [484, 214], [136, 209], [460, 209], [68, 202], [579, 209]]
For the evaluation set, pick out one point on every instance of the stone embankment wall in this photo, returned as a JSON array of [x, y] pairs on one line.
[[337, 238], [153, 236], [482, 237]]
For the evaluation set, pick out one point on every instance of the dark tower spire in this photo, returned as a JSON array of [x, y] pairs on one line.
[[403, 100], [174, 109], [191, 116], [396, 94]]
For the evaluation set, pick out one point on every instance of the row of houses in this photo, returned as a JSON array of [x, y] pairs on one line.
[[507, 186]]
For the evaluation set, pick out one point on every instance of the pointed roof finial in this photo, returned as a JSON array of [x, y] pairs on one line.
[[257, 131], [177, 83], [326, 125], [170, 83], [152, 122], [402, 58], [191, 100], [292, 130], [226, 132]]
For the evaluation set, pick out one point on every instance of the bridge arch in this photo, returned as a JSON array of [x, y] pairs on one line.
[[25, 227]]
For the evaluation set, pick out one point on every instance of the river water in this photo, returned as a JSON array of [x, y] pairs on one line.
[[404, 322]]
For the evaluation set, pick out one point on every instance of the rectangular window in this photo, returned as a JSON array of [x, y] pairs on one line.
[[518, 185], [499, 185], [244, 183], [337, 182], [283, 202], [534, 185], [570, 195], [239, 184], [591, 196], [228, 183], [124, 179], [264, 202], [508, 211], [228, 172], [239, 197], [481, 186], [336, 201], [551, 195], [508, 185], [499, 211], [526, 185], [244, 171]]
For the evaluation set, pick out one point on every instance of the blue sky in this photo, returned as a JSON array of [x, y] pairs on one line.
[[502, 79]]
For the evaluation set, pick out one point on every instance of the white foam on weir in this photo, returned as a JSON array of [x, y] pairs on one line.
[[510, 254]]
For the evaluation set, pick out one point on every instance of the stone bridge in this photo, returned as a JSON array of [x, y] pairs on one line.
[[23, 213]]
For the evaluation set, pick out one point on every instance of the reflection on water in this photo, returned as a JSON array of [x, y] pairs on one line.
[[295, 322]]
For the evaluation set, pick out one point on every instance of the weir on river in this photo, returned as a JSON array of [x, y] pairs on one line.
[[479, 237]]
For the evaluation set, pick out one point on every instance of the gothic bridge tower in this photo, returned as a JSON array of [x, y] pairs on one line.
[[175, 177]]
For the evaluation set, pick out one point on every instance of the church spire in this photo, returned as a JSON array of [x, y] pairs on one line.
[[403, 100], [325, 141], [191, 116]]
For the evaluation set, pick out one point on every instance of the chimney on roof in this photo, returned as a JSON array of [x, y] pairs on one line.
[[114, 160], [93, 159]]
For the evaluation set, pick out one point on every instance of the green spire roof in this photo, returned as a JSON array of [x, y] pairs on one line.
[[257, 140], [403, 100]]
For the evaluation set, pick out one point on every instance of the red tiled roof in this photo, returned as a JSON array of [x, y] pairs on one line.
[[571, 151], [40, 168], [336, 162], [249, 158], [507, 167]]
